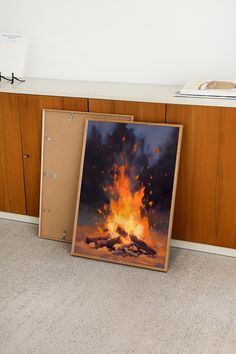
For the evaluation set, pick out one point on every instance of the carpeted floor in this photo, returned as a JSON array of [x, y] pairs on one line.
[[51, 302]]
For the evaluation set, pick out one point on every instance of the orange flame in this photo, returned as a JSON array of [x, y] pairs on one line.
[[125, 208]]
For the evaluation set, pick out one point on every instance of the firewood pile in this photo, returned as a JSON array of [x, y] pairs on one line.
[[122, 245]]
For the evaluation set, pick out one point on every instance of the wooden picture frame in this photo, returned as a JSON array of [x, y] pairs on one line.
[[62, 137], [86, 234]]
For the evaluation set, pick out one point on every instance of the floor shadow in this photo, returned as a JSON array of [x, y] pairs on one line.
[[174, 254]]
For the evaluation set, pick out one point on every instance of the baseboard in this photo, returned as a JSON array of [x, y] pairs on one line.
[[200, 247], [19, 217]]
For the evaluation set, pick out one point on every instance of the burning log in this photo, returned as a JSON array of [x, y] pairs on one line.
[[142, 252], [128, 249], [113, 241], [126, 245], [118, 252], [125, 251], [134, 249], [121, 232], [131, 253], [96, 238], [143, 246], [100, 243], [109, 243]]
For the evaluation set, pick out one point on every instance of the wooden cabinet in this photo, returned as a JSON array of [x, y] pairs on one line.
[[142, 111], [20, 133], [30, 108], [75, 104], [205, 209], [226, 197], [12, 191]]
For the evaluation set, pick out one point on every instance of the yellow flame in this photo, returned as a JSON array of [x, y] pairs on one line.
[[125, 207]]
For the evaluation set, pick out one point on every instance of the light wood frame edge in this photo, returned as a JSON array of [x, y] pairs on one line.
[[173, 196], [41, 175]]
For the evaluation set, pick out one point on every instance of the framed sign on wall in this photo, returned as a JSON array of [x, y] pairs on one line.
[[13, 49]]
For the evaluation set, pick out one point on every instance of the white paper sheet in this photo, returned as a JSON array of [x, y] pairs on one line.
[[13, 49]]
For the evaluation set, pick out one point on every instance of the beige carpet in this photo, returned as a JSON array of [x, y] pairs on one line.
[[54, 303]]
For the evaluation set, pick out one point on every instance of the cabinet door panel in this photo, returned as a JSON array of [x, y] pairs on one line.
[[12, 192], [196, 209], [226, 225], [31, 108], [142, 111], [75, 104]]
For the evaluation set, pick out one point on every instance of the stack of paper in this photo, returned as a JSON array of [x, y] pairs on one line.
[[209, 88]]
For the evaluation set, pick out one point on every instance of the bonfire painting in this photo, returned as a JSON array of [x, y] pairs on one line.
[[126, 193]]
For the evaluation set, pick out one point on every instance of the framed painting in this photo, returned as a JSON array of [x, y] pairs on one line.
[[126, 194]]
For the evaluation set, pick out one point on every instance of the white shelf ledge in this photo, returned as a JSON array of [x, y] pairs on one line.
[[108, 90]]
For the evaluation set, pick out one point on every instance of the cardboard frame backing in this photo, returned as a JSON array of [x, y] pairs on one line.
[[62, 142]]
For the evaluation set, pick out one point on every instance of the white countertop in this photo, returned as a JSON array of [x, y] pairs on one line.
[[113, 91]]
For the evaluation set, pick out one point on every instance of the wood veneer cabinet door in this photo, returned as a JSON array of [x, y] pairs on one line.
[[226, 221], [31, 108], [197, 207], [75, 104], [142, 111], [12, 193]]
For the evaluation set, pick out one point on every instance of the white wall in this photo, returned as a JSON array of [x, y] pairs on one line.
[[151, 41]]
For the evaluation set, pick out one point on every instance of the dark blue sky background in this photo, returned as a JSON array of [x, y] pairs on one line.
[[154, 135]]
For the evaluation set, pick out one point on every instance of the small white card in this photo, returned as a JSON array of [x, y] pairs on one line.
[[13, 49]]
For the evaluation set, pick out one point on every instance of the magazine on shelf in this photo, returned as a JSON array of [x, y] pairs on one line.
[[209, 89]]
